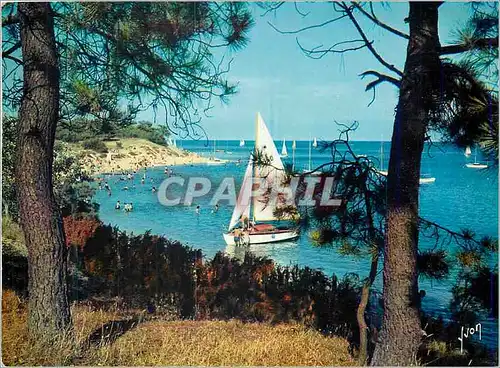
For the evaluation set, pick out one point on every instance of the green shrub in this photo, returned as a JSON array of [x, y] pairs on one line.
[[14, 256], [95, 144], [145, 130]]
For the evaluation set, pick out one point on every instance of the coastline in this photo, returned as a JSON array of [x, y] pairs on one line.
[[133, 154]]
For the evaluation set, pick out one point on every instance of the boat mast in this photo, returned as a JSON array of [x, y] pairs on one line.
[[251, 212], [310, 147], [381, 153]]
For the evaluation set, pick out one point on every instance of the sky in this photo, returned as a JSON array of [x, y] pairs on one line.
[[300, 97]]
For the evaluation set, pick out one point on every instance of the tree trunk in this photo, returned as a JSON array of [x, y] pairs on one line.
[[49, 313], [401, 334], [365, 290], [360, 315]]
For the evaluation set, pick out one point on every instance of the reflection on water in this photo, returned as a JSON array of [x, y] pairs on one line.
[[268, 250]]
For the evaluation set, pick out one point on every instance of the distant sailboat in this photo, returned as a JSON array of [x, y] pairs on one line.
[[382, 171], [309, 162], [294, 146], [227, 149], [242, 142], [315, 143], [422, 180], [257, 207], [284, 152], [213, 158], [468, 152], [426, 180], [476, 165]]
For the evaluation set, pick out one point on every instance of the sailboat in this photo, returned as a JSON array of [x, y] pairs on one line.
[[467, 152], [315, 143], [382, 171], [476, 165], [242, 142], [294, 147], [213, 159], [422, 180], [284, 152], [258, 208], [227, 149], [427, 180]]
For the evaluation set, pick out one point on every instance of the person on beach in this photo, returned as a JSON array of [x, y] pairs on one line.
[[117, 205]]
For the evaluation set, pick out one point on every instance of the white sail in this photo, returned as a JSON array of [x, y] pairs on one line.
[[294, 144], [315, 143], [242, 206], [242, 143], [271, 175], [468, 151], [283, 149]]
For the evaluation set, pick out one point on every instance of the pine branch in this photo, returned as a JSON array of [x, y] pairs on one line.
[[10, 20], [375, 20], [15, 47], [380, 78], [319, 25], [464, 47], [369, 44]]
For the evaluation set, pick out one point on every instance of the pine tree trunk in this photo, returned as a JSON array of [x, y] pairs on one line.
[[401, 334], [365, 290], [49, 313], [360, 314]]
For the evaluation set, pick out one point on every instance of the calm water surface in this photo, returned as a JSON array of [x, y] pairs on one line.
[[460, 198]]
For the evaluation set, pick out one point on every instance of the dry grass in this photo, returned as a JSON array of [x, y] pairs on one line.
[[170, 343], [224, 343]]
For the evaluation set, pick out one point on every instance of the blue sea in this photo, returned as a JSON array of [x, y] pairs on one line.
[[459, 198]]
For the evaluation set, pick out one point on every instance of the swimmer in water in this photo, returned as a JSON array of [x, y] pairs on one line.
[[198, 209], [117, 205]]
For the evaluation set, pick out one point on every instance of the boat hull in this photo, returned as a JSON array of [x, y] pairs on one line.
[[427, 180], [261, 238], [476, 166]]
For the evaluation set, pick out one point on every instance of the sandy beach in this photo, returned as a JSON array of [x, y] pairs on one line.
[[131, 154]]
